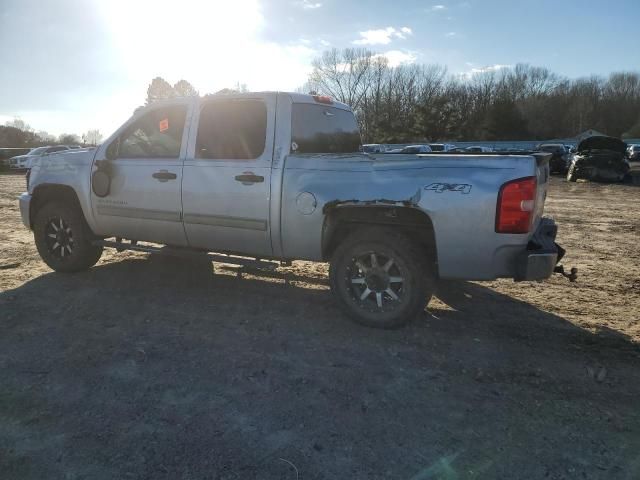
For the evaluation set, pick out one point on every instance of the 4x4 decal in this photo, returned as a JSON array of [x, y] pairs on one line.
[[463, 188]]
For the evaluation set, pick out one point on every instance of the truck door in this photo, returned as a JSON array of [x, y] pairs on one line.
[[227, 173], [145, 166]]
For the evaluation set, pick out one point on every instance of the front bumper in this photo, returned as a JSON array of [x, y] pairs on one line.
[[25, 201], [539, 260]]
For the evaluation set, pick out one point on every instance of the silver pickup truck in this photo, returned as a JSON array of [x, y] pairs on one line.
[[280, 177]]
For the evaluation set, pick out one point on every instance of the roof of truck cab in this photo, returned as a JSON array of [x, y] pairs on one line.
[[308, 98], [295, 98]]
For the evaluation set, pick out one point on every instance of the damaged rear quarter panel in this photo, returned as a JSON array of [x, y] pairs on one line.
[[458, 193]]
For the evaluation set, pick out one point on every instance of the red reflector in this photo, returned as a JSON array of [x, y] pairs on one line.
[[323, 99], [516, 204]]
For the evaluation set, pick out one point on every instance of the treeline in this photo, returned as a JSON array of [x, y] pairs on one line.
[[410, 103], [17, 133]]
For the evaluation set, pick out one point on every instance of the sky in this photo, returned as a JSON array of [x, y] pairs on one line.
[[67, 66]]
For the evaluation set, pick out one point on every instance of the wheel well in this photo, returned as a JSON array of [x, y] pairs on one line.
[[44, 194], [343, 220]]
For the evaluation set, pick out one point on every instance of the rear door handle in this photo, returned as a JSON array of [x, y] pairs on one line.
[[164, 176], [247, 178]]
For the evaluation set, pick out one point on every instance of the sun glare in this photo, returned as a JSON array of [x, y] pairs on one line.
[[213, 44]]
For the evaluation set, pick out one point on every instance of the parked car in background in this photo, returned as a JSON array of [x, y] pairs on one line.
[[600, 158], [374, 148], [633, 152], [7, 154], [559, 161], [441, 147], [416, 149], [23, 162], [478, 149]]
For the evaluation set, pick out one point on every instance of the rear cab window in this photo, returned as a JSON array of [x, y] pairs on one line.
[[323, 129]]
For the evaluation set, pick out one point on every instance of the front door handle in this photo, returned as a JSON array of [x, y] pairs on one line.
[[164, 176], [248, 178]]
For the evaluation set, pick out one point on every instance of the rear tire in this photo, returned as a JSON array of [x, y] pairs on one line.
[[63, 238], [381, 278]]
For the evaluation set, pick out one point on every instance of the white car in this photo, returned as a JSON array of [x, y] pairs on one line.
[[416, 149], [23, 162], [374, 148], [478, 149], [441, 147]]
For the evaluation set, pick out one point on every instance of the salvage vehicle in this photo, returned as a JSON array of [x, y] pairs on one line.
[[23, 162], [373, 148], [441, 147], [599, 158], [559, 161], [415, 149], [279, 177]]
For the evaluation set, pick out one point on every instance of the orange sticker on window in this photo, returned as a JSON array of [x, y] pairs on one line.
[[164, 124]]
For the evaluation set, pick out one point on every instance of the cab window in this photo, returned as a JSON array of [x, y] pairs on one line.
[[158, 134], [323, 129], [232, 130]]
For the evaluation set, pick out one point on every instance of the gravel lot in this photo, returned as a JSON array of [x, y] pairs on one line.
[[158, 368]]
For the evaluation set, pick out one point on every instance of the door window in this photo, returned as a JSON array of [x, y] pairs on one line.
[[232, 130], [158, 134]]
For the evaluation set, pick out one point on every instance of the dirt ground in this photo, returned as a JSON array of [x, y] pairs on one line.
[[157, 368]]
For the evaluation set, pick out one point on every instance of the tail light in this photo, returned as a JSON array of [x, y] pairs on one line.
[[516, 204]]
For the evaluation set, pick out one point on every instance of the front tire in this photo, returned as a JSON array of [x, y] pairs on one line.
[[63, 238], [381, 278]]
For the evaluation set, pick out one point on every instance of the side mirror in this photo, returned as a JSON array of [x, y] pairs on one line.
[[100, 183], [101, 178]]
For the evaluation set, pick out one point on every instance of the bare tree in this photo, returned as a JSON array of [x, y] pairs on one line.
[[20, 124], [344, 75], [68, 139], [419, 103], [92, 137]]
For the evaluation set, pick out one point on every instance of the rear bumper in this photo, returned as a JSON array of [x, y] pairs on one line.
[[538, 261], [25, 201]]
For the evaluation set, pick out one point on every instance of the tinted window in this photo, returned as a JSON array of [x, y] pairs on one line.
[[323, 129], [232, 129], [158, 134]]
